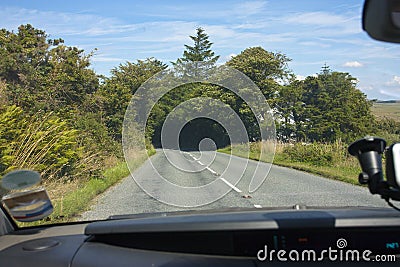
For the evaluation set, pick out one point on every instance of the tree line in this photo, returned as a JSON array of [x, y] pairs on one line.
[[61, 118]]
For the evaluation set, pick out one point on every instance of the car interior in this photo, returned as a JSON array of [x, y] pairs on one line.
[[232, 237]]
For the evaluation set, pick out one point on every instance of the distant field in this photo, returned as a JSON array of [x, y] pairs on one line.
[[388, 110]]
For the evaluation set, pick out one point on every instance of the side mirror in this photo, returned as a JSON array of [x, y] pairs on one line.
[[25, 204], [381, 20]]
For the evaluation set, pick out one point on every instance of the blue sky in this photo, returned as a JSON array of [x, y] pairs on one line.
[[311, 33]]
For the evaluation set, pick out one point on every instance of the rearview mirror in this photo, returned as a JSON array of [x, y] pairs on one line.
[[381, 20]]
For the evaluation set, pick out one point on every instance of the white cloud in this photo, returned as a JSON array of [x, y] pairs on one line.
[[366, 87], [391, 88], [353, 64], [316, 18], [395, 81], [59, 22], [313, 43], [195, 10], [300, 77], [390, 94], [106, 59], [324, 23], [230, 56], [250, 7]]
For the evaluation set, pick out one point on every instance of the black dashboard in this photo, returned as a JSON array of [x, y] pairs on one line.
[[214, 238]]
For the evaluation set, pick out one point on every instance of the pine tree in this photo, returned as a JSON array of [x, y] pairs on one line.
[[199, 52], [325, 70]]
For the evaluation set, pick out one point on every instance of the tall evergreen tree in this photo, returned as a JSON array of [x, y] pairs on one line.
[[199, 52]]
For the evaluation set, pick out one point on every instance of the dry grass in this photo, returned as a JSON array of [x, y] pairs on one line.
[[59, 190], [263, 151], [35, 148], [110, 162]]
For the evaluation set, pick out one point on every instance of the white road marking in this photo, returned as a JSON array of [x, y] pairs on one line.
[[196, 159], [193, 157], [215, 173], [257, 206], [231, 185], [211, 170]]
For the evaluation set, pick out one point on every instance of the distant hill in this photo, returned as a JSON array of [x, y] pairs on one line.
[[386, 101], [387, 109]]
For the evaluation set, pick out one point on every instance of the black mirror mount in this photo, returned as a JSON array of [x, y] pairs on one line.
[[381, 20], [369, 152]]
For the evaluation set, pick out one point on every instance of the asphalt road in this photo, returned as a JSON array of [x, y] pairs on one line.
[[210, 175]]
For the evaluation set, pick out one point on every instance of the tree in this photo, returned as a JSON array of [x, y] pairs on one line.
[[199, 52], [23, 62], [44, 74], [118, 90], [289, 107], [28, 45], [325, 107], [69, 82], [267, 70], [47, 93], [264, 68]]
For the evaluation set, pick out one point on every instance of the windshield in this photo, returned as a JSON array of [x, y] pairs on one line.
[[131, 107]]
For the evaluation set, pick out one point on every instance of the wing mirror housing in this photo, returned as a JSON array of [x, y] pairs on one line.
[[381, 20], [25, 202]]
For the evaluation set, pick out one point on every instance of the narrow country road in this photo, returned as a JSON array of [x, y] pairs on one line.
[[283, 187]]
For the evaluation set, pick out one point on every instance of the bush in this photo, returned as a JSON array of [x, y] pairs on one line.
[[319, 154]]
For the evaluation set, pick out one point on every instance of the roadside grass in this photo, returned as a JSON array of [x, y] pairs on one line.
[[386, 110], [325, 159], [73, 198], [77, 201]]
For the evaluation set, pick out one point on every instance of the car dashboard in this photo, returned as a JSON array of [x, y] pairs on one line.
[[209, 238]]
